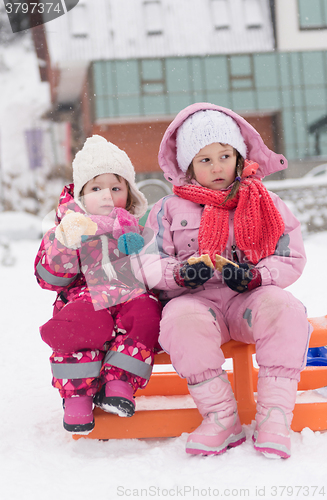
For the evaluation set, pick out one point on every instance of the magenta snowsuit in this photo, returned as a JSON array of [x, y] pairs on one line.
[[195, 323], [100, 330]]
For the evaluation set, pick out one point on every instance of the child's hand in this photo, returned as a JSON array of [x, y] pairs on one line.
[[129, 243], [241, 278], [192, 275], [72, 227]]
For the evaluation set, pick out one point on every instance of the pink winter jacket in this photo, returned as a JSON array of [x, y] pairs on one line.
[[79, 274], [176, 221]]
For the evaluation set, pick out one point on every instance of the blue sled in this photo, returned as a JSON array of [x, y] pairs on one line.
[[317, 356]]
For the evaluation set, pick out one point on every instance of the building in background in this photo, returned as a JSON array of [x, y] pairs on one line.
[[301, 30], [126, 67]]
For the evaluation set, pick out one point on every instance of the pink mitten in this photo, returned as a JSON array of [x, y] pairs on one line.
[[72, 227]]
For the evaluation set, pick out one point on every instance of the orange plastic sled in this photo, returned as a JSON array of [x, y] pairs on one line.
[[170, 423]]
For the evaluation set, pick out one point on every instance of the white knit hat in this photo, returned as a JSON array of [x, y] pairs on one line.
[[99, 156], [204, 128]]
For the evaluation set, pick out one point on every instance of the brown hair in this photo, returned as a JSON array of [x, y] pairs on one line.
[[237, 182], [238, 172], [130, 202]]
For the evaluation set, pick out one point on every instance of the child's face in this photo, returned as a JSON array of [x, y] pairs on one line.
[[215, 166], [104, 192]]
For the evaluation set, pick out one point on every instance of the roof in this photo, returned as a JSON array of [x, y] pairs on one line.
[[129, 29]]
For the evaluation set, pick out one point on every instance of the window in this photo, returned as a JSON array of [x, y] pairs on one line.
[[312, 14], [220, 14], [253, 14], [152, 76], [78, 20], [153, 17], [241, 72]]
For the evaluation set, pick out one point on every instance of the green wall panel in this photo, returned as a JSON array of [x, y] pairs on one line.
[[313, 68], [220, 98], [152, 69], [301, 126], [285, 70], [269, 99], [197, 82], [287, 98], [240, 65], [293, 152], [154, 105], [243, 101], [198, 96], [315, 97], [176, 102], [298, 97], [99, 87], [127, 77], [296, 69], [177, 75], [266, 72], [129, 106], [289, 126], [104, 79], [216, 73]]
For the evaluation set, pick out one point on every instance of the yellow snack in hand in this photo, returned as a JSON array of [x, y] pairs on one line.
[[72, 227], [221, 261], [203, 258]]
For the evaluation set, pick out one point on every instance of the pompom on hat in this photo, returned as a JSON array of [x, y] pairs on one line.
[[99, 156], [204, 128]]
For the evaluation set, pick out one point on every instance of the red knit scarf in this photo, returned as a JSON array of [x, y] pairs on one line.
[[257, 223]]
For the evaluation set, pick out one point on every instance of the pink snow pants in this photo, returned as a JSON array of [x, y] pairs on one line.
[[195, 325], [92, 347]]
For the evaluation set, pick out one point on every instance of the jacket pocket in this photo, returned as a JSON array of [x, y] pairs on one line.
[[185, 228], [190, 221]]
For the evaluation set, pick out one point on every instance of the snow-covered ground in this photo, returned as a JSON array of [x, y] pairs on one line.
[[39, 459]]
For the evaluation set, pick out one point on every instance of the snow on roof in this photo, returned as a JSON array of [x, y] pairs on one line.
[[71, 81], [123, 29]]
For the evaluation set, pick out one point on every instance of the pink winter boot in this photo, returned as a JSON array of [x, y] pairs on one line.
[[78, 416], [116, 396], [221, 427], [276, 400]]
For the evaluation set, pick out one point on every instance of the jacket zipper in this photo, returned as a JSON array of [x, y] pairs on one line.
[[234, 254], [231, 237]]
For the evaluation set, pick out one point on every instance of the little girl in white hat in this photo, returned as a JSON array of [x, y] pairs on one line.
[[105, 323]]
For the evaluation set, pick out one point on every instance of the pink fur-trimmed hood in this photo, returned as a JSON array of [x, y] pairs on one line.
[[269, 162]]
